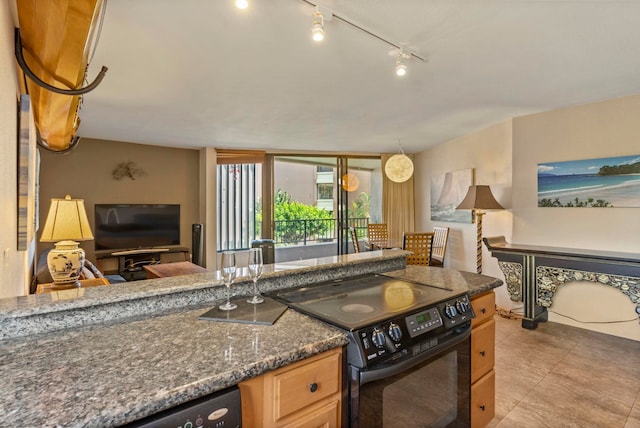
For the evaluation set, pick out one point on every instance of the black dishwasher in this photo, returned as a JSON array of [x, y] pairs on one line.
[[219, 410]]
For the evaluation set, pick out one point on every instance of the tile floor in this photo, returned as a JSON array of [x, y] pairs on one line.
[[562, 376]]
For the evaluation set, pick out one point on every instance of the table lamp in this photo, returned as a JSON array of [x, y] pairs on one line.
[[479, 198], [66, 223]]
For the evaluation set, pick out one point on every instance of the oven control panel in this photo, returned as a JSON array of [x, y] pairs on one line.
[[456, 311], [380, 342], [423, 322]]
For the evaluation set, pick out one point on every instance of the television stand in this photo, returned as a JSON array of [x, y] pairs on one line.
[[130, 263], [139, 251]]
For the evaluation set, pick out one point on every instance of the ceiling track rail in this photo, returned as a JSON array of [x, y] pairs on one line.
[[369, 33]]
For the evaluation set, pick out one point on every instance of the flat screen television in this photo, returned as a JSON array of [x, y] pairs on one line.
[[133, 226]]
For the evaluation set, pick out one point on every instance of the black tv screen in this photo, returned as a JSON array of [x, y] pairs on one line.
[[131, 226]]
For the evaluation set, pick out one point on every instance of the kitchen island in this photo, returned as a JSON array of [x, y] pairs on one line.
[[121, 357]]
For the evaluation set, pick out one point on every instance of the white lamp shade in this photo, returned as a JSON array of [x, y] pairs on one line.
[[67, 220], [399, 168]]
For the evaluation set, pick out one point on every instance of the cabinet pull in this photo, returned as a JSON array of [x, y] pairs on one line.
[[482, 353], [483, 310], [482, 407], [313, 387]]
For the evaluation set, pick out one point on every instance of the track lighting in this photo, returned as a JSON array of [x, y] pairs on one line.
[[317, 30], [242, 4], [401, 67], [321, 14]]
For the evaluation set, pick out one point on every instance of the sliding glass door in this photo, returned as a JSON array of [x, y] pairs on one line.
[[316, 200]]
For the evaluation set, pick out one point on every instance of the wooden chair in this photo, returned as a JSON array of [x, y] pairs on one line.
[[419, 243], [439, 246], [354, 239], [378, 235]]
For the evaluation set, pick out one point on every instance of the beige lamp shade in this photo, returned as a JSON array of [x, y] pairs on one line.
[[66, 221], [479, 198], [399, 168]]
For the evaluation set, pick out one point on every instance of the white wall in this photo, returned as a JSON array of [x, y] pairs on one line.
[[488, 153], [13, 264], [605, 129]]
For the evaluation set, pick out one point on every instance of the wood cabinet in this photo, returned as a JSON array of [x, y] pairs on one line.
[[483, 335], [303, 394]]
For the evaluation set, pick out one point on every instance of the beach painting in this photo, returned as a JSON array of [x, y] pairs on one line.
[[593, 183], [447, 191]]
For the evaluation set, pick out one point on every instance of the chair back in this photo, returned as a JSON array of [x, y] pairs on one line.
[[439, 246], [354, 239], [419, 243], [378, 235]]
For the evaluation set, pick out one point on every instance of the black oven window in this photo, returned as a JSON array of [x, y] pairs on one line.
[[425, 396]]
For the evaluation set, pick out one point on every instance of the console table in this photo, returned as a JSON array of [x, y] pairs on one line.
[[534, 273]]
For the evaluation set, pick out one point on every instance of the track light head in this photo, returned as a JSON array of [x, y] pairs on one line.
[[317, 30], [401, 66]]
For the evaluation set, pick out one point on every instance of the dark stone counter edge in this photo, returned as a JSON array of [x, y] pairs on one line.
[[498, 243]]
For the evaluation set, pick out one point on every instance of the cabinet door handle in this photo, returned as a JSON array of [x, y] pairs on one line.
[[483, 310], [313, 387], [482, 407], [482, 353]]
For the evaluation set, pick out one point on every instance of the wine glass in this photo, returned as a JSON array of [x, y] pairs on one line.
[[228, 270], [255, 271]]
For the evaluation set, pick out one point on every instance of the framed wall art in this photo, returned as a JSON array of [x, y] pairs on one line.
[[592, 183], [26, 176], [447, 191]]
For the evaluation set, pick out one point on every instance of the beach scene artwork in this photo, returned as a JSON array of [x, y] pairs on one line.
[[447, 191], [593, 183]]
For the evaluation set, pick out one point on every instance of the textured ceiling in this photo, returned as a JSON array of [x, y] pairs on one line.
[[196, 73]]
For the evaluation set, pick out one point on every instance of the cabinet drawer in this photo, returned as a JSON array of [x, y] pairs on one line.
[[482, 349], [327, 416], [484, 307], [306, 384], [483, 402]]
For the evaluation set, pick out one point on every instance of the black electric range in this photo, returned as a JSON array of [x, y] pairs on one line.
[[386, 318]]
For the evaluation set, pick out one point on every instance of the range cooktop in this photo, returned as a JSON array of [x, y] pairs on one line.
[[357, 302]]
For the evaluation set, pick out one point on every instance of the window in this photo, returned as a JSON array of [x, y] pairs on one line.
[[239, 191], [325, 191]]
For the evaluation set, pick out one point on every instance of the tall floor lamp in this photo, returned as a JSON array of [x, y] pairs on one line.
[[479, 198]]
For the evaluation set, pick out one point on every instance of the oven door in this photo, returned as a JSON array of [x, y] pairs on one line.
[[431, 389]]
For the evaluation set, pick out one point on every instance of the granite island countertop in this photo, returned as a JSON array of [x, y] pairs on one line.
[[115, 373], [124, 369]]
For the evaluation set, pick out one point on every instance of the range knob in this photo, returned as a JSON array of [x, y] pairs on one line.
[[377, 337], [395, 332], [462, 306], [450, 311]]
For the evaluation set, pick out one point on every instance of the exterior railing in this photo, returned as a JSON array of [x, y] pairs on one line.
[[311, 231]]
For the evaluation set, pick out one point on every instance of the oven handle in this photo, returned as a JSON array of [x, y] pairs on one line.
[[367, 376]]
